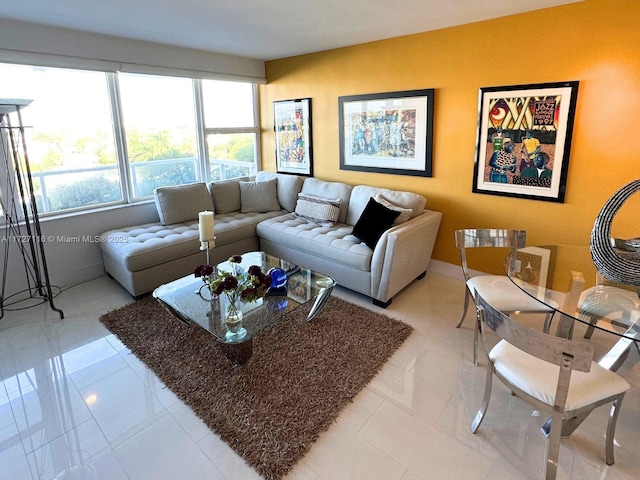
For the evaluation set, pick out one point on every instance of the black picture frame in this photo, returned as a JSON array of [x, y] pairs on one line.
[[523, 140], [388, 132], [293, 139]]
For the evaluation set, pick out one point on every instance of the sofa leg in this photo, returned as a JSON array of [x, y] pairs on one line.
[[422, 275], [381, 304]]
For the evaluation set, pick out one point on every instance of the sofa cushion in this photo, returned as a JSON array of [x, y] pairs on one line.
[[144, 246], [362, 193], [226, 195], [323, 211], [259, 196], [405, 213], [336, 244], [182, 203], [289, 187], [374, 221], [236, 226], [321, 188]]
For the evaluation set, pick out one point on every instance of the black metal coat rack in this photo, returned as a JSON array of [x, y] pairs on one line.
[[18, 204]]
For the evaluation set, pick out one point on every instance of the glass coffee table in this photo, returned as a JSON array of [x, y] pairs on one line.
[[191, 301]]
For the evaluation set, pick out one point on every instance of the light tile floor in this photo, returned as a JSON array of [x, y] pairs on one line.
[[76, 404]]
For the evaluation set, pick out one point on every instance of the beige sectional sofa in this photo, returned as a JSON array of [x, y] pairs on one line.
[[260, 214]]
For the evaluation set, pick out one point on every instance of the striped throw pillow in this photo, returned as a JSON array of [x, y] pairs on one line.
[[323, 211]]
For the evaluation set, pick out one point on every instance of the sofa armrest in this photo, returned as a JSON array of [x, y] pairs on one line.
[[403, 254]]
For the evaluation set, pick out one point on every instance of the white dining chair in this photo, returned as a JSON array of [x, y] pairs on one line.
[[553, 374], [497, 289]]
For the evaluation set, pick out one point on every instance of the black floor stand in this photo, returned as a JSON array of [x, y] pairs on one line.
[[21, 222]]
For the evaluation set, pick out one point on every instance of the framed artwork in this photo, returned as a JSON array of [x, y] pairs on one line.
[[524, 140], [292, 127], [387, 132], [299, 286], [532, 267]]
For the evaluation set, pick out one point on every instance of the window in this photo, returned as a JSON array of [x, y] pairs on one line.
[[230, 128], [160, 131], [70, 139], [76, 130]]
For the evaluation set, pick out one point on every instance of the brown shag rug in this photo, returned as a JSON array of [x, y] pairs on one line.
[[271, 409]]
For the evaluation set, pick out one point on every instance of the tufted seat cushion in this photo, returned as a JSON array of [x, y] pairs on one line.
[[335, 243], [140, 247], [146, 245]]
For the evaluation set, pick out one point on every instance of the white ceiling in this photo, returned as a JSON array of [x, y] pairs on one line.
[[263, 30]]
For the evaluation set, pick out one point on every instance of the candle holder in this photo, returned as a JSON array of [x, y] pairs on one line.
[[207, 246], [206, 277]]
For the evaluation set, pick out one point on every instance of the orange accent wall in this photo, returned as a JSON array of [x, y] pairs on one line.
[[596, 42]]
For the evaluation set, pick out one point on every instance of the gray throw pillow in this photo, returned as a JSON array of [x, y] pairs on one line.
[[259, 196], [182, 203], [226, 195], [288, 187]]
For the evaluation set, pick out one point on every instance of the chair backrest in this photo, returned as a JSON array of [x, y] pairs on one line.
[[556, 350], [487, 237]]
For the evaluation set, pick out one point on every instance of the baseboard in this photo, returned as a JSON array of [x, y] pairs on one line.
[[450, 270], [444, 268], [78, 275]]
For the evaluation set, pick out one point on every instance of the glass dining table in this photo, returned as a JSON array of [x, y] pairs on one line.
[[564, 278]]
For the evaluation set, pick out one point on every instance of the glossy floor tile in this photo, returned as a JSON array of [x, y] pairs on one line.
[[76, 404]]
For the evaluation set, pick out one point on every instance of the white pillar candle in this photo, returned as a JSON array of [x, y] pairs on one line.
[[205, 225]]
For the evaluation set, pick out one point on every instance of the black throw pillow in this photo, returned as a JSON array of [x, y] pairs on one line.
[[374, 221]]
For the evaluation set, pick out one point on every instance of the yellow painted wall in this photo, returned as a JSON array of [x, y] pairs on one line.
[[596, 42]]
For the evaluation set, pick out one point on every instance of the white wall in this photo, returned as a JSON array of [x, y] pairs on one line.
[[50, 46], [72, 254]]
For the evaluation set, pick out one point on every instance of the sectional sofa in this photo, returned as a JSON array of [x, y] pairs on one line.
[[306, 221]]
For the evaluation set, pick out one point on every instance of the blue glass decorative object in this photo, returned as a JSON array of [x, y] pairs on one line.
[[278, 277]]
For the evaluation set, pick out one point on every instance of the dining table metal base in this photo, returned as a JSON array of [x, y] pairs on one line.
[[622, 357]]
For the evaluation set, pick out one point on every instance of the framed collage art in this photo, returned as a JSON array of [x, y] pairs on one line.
[[292, 127], [387, 132]]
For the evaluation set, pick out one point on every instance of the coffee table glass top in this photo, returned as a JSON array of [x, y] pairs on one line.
[[190, 300]]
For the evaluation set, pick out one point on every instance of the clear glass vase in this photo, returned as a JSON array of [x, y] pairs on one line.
[[234, 315], [235, 330]]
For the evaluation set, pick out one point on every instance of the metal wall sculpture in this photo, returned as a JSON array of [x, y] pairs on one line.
[[618, 260]]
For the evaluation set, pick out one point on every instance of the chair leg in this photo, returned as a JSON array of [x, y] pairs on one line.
[[485, 401], [476, 339], [467, 295], [552, 448], [611, 429]]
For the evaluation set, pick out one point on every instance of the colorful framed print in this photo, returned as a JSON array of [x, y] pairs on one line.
[[387, 132], [292, 127], [524, 140], [299, 286]]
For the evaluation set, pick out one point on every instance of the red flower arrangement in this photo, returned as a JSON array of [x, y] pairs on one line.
[[248, 286]]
